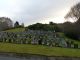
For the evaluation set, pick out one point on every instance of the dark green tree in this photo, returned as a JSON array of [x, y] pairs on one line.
[[16, 24]]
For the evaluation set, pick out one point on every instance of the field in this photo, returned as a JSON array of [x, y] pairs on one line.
[[39, 49]]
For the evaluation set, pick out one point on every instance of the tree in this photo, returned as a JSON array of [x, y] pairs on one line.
[[54, 26], [73, 30], [70, 30], [74, 12], [5, 23], [16, 24], [51, 23], [40, 26]]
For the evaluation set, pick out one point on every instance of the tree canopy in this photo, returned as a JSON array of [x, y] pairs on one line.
[[74, 12], [5, 23], [46, 27]]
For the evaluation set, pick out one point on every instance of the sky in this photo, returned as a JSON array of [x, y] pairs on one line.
[[34, 11]]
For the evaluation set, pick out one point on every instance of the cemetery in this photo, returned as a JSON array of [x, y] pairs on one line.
[[36, 37]]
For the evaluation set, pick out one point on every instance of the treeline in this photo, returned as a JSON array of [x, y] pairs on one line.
[[6, 23], [71, 30], [45, 27], [17, 25]]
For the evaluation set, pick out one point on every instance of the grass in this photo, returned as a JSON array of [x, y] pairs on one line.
[[39, 49], [68, 39], [16, 30]]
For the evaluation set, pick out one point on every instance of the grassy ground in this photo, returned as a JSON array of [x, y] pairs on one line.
[[39, 49], [16, 30], [68, 39]]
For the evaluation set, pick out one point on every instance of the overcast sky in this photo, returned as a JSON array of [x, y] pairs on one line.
[[33, 11]]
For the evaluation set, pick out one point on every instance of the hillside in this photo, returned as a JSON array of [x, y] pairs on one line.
[[60, 33], [40, 49]]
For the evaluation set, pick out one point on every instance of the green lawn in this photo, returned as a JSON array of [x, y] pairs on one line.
[[68, 39], [16, 30], [39, 49]]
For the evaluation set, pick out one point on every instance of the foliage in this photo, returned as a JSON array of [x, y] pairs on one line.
[[16, 24], [5, 23], [51, 23], [74, 12], [72, 30], [45, 27]]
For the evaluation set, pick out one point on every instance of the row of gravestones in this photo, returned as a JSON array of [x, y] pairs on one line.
[[33, 37]]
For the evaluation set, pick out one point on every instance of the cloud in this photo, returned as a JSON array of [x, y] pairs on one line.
[[32, 11]]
